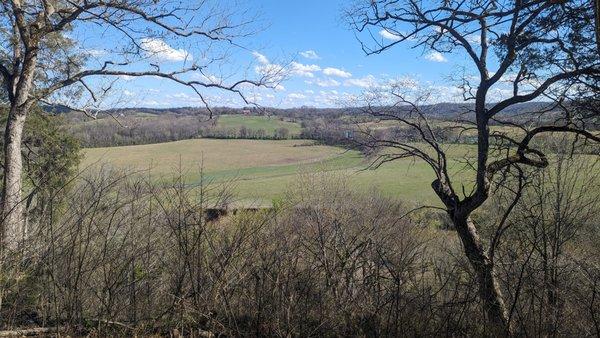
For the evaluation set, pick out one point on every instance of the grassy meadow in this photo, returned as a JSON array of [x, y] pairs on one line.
[[262, 170]]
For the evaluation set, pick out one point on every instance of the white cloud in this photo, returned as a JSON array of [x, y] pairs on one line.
[[212, 79], [96, 52], [330, 98], [270, 70], [180, 96], [445, 93], [296, 96], [310, 54], [386, 34], [436, 57], [336, 72], [278, 71], [304, 70], [498, 94], [508, 77], [406, 82], [474, 38], [368, 81], [161, 51], [325, 82], [261, 58], [209, 78], [151, 103]]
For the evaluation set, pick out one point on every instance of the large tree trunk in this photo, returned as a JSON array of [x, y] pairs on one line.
[[13, 217], [489, 289], [12, 206]]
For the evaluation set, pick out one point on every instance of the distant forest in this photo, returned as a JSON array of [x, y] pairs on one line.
[[332, 126], [438, 110]]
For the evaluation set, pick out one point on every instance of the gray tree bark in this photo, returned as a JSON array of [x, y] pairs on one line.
[[12, 206], [13, 217], [489, 288]]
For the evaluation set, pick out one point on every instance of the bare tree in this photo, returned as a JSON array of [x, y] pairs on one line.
[[45, 57], [529, 50], [558, 210]]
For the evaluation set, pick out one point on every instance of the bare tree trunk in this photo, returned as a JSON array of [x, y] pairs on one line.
[[12, 208], [489, 289], [13, 217]]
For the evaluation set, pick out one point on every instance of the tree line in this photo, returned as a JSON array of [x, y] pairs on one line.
[[132, 130]]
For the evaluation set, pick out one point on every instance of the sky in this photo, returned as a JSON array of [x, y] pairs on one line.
[[327, 67]]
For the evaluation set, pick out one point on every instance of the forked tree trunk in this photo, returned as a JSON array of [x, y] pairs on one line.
[[489, 289], [12, 206]]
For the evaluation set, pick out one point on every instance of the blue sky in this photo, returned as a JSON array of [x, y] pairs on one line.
[[327, 66]]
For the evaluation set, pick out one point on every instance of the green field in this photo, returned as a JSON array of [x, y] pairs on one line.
[[261, 170], [268, 124]]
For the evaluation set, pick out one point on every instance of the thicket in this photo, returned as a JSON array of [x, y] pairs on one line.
[[116, 254]]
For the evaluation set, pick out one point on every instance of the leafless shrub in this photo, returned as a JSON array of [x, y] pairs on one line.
[[549, 264], [129, 256]]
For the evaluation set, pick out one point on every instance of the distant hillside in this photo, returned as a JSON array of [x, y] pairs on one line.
[[439, 110]]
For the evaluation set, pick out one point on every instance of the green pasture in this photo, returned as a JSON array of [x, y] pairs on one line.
[[262, 170]]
